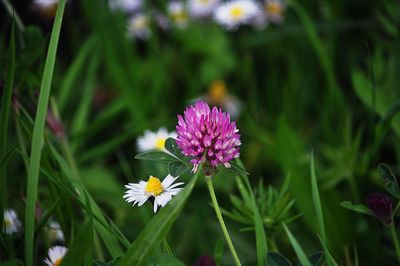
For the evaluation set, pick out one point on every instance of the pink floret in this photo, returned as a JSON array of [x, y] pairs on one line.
[[202, 129]]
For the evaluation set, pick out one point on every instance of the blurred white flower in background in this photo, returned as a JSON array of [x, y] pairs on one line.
[[45, 3], [126, 5], [178, 13], [138, 27], [202, 8], [234, 13], [54, 232], [218, 95], [154, 140], [274, 10], [11, 223]]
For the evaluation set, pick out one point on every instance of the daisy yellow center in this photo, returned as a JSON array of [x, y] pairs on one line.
[[160, 142], [57, 262], [154, 186], [139, 24], [217, 92], [179, 16], [7, 223], [273, 8], [236, 12], [204, 1]]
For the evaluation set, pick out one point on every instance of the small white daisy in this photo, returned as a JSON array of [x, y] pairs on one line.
[[54, 231], [274, 10], [138, 27], [11, 223], [55, 255], [162, 192], [202, 8], [178, 13], [154, 140], [126, 5], [45, 4], [234, 13]]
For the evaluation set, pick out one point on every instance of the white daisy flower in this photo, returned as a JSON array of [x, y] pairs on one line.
[[11, 223], [178, 14], [55, 255], [202, 8], [45, 4], [126, 5], [274, 10], [233, 13], [138, 27], [54, 231], [162, 192], [154, 140]]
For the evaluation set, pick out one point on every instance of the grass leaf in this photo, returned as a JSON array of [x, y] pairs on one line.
[[37, 138], [297, 248]]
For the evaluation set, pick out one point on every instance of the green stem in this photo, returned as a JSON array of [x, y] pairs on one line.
[[221, 220], [395, 240]]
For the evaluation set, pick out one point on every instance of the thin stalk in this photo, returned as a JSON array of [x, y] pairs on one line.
[[395, 240], [11, 11], [221, 220], [167, 248]]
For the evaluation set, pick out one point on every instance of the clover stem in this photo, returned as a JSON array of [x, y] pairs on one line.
[[395, 239], [221, 220]]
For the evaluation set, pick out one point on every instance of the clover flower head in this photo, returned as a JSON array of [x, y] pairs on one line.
[[234, 13], [154, 140], [381, 206], [207, 135], [55, 255], [161, 192], [11, 223]]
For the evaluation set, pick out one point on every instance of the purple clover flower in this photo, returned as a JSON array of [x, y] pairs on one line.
[[207, 135], [381, 206]]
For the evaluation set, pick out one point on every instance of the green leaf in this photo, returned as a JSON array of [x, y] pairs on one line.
[[315, 258], [360, 208], [4, 116], [277, 259], [392, 111], [297, 248], [158, 156], [114, 262], [165, 260], [318, 211], [172, 147], [261, 240], [389, 180], [237, 169], [37, 138], [177, 168], [153, 234]]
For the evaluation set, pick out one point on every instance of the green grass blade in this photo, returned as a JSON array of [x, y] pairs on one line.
[[37, 138], [4, 116], [153, 234], [301, 255], [261, 240], [318, 211], [72, 75]]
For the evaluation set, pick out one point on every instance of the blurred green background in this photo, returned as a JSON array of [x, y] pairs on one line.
[[325, 80]]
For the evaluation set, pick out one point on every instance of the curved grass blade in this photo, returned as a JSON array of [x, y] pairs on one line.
[[318, 210], [37, 138], [297, 248], [153, 234], [4, 116]]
